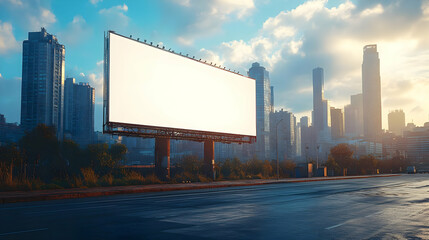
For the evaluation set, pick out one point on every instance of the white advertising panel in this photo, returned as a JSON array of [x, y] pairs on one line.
[[149, 86]]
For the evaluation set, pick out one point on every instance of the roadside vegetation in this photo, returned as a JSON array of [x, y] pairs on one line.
[[40, 161]]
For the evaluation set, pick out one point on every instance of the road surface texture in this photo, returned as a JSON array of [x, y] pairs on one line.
[[371, 208]]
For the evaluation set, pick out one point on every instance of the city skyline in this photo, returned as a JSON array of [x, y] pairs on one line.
[[259, 39]]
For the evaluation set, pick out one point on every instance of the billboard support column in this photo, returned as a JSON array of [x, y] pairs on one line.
[[209, 159], [162, 157]]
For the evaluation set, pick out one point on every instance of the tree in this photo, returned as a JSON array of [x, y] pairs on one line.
[[41, 149], [99, 158], [342, 155], [73, 156], [118, 151], [9, 156], [267, 169], [367, 164]]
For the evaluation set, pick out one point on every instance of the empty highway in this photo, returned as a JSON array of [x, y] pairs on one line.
[[371, 208]]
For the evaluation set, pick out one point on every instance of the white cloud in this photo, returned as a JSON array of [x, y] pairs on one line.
[[30, 15], [94, 2], [209, 16], [372, 11], [8, 42], [115, 17], [76, 32], [292, 43], [44, 19]]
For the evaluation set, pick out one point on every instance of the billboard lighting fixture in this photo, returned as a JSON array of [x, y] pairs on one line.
[[151, 43], [163, 47], [205, 61], [145, 40], [187, 54], [157, 45], [200, 59], [131, 36], [193, 57], [138, 39], [169, 49]]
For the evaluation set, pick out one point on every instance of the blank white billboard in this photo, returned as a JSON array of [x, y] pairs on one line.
[[149, 86]]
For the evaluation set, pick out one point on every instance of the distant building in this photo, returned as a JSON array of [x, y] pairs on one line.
[[263, 109], [43, 59], [318, 104], [337, 123], [417, 144], [283, 126], [371, 91], [353, 117], [9, 132], [79, 100], [396, 122]]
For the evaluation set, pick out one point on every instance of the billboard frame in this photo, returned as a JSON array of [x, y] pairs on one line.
[[144, 131]]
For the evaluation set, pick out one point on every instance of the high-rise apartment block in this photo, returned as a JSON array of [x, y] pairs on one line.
[[263, 109], [79, 100], [283, 135], [371, 91], [396, 122], [43, 59]]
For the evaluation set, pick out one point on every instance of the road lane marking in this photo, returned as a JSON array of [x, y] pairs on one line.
[[331, 227], [24, 231]]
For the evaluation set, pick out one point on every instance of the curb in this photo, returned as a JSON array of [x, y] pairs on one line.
[[43, 195]]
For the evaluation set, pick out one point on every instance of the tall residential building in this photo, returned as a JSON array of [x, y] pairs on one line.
[[283, 127], [396, 122], [371, 91], [353, 116], [79, 100], [263, 109], [43, 59], [337, 123]]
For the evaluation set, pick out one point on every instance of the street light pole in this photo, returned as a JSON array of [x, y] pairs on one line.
[[277, 147]]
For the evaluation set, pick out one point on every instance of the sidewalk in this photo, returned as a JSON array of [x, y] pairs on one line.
[[40, 195]]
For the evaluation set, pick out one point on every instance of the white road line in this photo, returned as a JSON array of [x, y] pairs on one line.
[[24, 231], [331, 227]]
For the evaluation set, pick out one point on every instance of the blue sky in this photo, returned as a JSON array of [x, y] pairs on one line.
[[289, 38]]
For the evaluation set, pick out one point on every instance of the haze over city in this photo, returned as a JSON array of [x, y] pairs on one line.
[[289, 38]]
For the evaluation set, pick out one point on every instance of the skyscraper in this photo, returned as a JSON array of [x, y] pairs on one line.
[[43, 59], [396, 122], [318, 82], [337, 123], [79, 102], [263, 109], [353, 116], [272, 99], [284, 124], [371, 92]]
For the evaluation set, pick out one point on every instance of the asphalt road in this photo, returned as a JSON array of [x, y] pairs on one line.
[[371, 208]]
